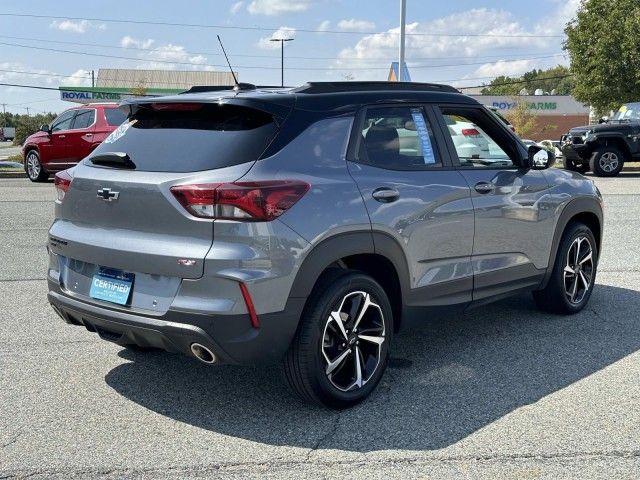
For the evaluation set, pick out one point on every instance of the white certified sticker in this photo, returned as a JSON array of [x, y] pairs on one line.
[[119, 132]]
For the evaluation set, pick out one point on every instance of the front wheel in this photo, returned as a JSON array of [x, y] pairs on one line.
[[341, 348], [607, 161], [33, 167], [574, 272]]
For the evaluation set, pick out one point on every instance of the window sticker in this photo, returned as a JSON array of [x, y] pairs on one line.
[[423, 134], [119, 132]]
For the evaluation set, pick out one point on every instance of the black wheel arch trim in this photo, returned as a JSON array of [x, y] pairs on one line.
[[342, 245], [575, 207]]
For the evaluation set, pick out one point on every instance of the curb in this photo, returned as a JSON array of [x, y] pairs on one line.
[[13, 175]]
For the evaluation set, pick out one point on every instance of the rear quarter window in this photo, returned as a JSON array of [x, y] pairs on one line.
[[114, 116], [191, 137]]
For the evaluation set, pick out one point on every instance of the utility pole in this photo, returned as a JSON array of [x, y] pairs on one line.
[[403, 18], [93, 78], [282, 40], [4, 114], [27, 109]]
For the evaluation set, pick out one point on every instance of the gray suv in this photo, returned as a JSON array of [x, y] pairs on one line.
[[307, 226]]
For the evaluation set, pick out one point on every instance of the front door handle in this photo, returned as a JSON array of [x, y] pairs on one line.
[[484, 187], [62, 136], [385, 194]]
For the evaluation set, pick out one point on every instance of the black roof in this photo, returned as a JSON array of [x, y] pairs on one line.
[[339, 97]]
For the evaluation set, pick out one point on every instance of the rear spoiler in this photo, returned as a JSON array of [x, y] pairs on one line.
[[280, 107]]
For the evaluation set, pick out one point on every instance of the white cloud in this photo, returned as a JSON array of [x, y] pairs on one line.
[[235, 8], [80, 26], [357, 25], [324, 26], [380, 49], [157, 56], [277, 7], [283, 32], [130, 42], [77, 79]]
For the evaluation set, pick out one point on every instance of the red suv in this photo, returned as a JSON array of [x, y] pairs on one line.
[[69, 138]]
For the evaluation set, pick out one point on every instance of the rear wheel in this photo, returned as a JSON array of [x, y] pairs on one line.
[[340, 351], [33, 167], [574, 272], [607, 161], [573, 166]]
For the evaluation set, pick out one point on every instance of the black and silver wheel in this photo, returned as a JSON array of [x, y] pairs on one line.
[[574, 272], [341, 348], [33, 167], [607, 161], [572, 165]]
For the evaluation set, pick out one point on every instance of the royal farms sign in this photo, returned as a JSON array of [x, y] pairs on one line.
[[99, 94]]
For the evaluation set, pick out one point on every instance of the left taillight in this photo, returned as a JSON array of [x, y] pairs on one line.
[[244, 201], [62, 183]]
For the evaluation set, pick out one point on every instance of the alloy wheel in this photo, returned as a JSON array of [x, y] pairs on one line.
[[609, 162], [352, 341], [578, 272], [33, 166]]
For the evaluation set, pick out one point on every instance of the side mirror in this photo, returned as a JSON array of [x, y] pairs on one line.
[[603, 120], [45, 128], [538, 158]]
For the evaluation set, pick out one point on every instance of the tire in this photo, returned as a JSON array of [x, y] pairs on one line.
[[560, 295], [607, 161], [571, 165], [325, 355], [33, 167]]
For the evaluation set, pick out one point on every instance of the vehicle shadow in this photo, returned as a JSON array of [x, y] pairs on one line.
[[446, 380]]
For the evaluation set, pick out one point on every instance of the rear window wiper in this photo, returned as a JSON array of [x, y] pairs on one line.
[[113, 159]]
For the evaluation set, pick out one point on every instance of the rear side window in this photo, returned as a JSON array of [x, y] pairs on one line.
[[191, 137], [114, 116]]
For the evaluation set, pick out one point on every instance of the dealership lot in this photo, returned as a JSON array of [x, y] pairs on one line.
[[504, 391]]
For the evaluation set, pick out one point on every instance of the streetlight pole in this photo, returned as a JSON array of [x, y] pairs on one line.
[[403, 18], [282, 40]]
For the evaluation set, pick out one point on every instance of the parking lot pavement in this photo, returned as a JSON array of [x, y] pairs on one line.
[[501, 392]]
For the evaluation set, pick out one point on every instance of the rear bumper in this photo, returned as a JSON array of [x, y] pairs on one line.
[[230, 337]]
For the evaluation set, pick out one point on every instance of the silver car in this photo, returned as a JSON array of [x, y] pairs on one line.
[[307, 226]]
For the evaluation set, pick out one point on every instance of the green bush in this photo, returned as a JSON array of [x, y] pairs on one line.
[[29, 124]]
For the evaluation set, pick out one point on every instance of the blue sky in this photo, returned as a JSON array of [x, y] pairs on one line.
[[334, 40]]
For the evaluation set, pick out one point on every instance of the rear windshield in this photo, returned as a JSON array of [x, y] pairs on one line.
[[114, 116], [191, 137]]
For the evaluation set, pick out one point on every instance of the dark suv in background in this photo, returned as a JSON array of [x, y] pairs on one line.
[[307, 226], [71, 136], [604, 148]]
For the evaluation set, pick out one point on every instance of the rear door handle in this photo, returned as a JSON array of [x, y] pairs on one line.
[[62, 136], [88, 134], [484, 187], [385, 194]]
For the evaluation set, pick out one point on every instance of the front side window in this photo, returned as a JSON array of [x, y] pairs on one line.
[[63, 122], [476, 140], [398, 138], [84, 118]]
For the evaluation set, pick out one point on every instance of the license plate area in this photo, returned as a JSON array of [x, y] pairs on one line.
[[112, 285]]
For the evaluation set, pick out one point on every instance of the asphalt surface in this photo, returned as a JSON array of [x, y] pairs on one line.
[[501, 392]]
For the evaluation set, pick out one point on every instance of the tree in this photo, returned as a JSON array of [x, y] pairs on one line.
[[29, 124], [604, 49], [556, 78], [525, 122]]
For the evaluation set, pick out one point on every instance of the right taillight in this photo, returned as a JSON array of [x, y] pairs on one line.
[[62, 183], [247, 201]]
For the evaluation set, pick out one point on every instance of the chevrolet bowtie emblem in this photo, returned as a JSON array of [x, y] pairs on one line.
[[107, 195]]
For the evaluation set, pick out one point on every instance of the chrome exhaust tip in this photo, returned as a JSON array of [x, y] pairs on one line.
[[202, 353]]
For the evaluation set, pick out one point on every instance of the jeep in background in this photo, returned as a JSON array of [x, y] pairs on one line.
[[604, 148]]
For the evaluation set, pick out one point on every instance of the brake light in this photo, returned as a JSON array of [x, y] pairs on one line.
[[62, 183], [248, 201], [470, 132]]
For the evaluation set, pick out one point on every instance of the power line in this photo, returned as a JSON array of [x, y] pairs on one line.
[[271, 29], [169, 62], [271, 57]]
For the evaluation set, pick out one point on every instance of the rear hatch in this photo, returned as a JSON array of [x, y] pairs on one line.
[[119, 212]]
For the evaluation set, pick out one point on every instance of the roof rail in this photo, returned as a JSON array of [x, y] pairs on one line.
[[333, 87], [219, 88]]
